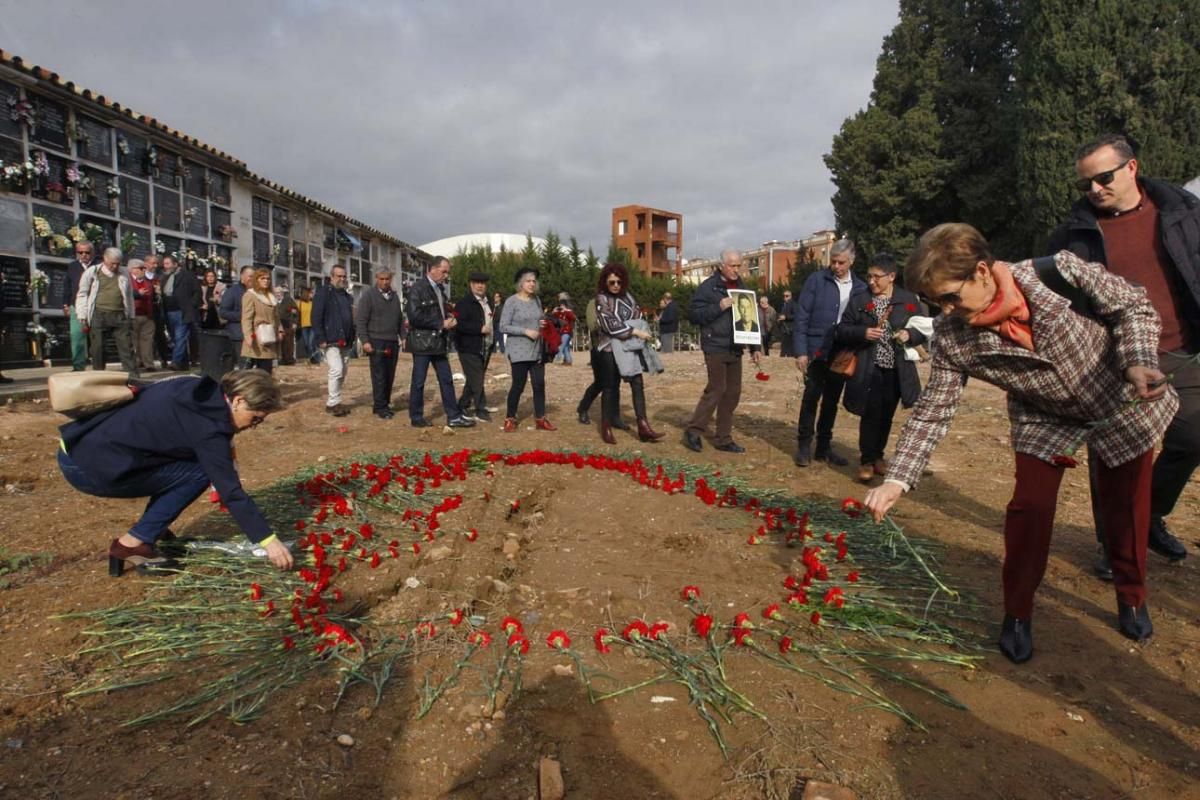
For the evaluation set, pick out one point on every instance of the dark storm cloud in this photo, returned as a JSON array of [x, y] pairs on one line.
[[429, 119]]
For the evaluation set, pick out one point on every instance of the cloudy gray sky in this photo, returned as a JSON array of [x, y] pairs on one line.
[[433, 118]]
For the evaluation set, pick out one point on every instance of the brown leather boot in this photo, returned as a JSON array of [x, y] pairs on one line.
[[645, 432], [606, 432], [510, 424], [543, 424]]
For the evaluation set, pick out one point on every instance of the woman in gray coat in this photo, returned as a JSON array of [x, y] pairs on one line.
[[521, 322]]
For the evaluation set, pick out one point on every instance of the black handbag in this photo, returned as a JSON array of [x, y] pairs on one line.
[[423, 340]]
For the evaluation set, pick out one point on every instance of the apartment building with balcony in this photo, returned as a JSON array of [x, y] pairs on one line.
[[653, 237]]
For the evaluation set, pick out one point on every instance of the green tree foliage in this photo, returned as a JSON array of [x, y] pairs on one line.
[[979, 105], [1127, 67]]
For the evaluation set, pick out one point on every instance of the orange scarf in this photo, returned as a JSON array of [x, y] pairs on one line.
[[1008, 315]]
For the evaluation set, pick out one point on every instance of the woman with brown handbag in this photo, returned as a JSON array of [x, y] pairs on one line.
[[261, 329], [882, 376]]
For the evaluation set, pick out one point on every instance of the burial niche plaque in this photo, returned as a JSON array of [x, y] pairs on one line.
[[135, 200], [96, 141], [16, 282], [14, 225], [51, 128], [10, 95], [99, 200], [131, 154], [167, 213]]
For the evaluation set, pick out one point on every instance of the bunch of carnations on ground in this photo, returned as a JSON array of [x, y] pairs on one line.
[[867, 598]]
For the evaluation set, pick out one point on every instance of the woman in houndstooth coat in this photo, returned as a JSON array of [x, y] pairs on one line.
[[1070, 379]]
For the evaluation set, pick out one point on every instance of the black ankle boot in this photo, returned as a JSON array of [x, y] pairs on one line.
[[1134, 622], [1016, 639]]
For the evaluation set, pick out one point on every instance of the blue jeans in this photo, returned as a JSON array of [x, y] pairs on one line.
[[181, 334], [309, 335], [445, 379], [564, 349], [171, 488]]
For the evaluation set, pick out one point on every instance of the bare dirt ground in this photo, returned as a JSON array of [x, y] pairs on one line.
[[1091, 716]]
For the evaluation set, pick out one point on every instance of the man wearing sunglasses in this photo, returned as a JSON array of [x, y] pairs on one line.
[[1148, 232]]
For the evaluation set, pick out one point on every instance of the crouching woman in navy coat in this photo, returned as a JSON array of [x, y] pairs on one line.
[[169, 444]]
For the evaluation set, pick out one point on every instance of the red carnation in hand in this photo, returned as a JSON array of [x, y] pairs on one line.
[[480, 639], [511, 625], [1065, 461], [387, 352], [690, 592], [599, 639], [518, 642], [911, 308], [761, 376], [558, 640], [702, 625], [851, 507], [341, 342]]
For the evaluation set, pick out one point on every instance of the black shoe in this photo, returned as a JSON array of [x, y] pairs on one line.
[[483, 416], [1016, 639], [1101, 567], [1134, 622], [1163, 542], [384, 414], [620, 425], [730, 447], [692, 441], [461, 422], [5, 379], [584, 419], [420, 422], [803, 455], [829, 455]]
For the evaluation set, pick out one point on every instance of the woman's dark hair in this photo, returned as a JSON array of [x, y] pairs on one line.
[[885, 262], [613, 268]]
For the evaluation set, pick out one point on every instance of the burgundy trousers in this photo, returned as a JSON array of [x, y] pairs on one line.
[[1124, 498]]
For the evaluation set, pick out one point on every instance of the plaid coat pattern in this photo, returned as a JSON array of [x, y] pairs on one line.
[[1072, 389]]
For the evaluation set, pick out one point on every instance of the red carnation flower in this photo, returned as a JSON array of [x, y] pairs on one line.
[[519, 642], [851, 507], [785, 645], [599, 639], [761, 376], [741, 636], [741, 619], [798, 598], [635, 630], [853, 576], [480, 639], [658, 628], [341, 342], [558, 640], [425, 629], [256, 591], [702, 625], [457, 616], [387, 352], [772, 612], [815, 619], [288, 643], [910, 308], [690, 592], [511, 625], [1066, 461]]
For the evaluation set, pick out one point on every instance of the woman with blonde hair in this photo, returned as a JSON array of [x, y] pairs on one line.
[[261, 328]]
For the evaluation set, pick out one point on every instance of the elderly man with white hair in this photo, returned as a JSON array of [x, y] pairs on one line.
[[104, 306], [711, 310]]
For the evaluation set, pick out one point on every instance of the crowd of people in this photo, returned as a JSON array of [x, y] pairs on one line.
[[1081, 341]]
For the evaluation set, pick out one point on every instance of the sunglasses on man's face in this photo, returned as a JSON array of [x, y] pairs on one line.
[[1102, 178]]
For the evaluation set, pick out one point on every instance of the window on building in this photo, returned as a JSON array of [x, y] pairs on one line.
[[622, 227]]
